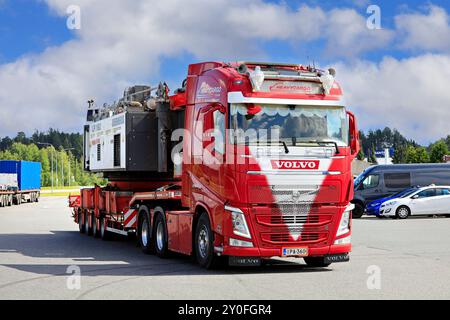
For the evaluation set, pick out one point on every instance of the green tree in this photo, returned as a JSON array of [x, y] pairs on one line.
[[422, 155], [437, 151], [410, 155]]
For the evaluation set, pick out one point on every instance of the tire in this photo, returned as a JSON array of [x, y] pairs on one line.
[[403, 212], [87, 229], [104, 234], [358, 212], [204, 244], [95, 232], [80, 222], [10, 201], [160, 239], [316, 262], [144, 235]]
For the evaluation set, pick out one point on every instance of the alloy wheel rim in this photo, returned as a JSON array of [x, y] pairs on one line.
[[203, 242], [144, 233], [160, 236], [403, 212]]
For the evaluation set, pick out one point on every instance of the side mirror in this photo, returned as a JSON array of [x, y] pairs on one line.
[[415, 197], [354, 135]]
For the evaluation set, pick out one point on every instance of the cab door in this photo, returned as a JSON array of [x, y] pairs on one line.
[[211, 132]]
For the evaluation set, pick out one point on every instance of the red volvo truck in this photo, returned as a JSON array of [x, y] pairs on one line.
[[246, 161]]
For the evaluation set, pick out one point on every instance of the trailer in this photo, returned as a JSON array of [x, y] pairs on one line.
[[246, 161], [20, 181]]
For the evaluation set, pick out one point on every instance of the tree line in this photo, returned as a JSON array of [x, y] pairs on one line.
[[405, 150], [60, 154]]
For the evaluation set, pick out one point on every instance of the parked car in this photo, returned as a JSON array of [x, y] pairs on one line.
[[433, 200], [373, 208], [386, 180]]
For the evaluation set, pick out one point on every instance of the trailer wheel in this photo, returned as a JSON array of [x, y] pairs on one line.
[[316, 262], [160, 235], [94, 226], [87, 229], [80, 221], [104, 234], [10, 200], [204, 244], [144, 236]]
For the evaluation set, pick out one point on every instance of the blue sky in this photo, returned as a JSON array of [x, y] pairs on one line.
[[38, 27], [35, 39]]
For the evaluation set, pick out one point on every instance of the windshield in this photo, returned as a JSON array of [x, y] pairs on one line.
[[360, 178], [407, 193], [290, 124]]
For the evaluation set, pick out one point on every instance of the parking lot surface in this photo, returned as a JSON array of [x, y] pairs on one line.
[[42, 253]]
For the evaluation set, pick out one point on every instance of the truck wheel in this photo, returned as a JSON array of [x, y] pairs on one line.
[[80, 222], [204, 244], [87, 230], [145, 240], [358, 212], [160, 235], [403, 212], [316, 262], [94, 226], [104, 234]]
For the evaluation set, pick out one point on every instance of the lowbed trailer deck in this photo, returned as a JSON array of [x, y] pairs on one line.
[[233, 197]]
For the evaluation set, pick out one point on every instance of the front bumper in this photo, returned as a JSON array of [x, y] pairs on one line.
[[244, 261], [276, 252]]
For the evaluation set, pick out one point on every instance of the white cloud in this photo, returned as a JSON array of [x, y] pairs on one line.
[[348, 35], [123, 42], [411, 95], [425, 31]]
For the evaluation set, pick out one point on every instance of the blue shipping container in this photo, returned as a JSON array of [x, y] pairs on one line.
[[28, 173]]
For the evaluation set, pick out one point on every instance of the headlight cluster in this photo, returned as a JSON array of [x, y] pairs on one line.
[[344, 225], [239, 222]]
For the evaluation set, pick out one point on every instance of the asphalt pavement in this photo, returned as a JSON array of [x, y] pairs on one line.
[[42, 256]]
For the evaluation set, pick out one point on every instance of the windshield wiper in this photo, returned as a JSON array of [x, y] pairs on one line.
[[324, 143], [286, 149]]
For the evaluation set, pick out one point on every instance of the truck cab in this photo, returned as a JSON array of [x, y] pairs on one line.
[[269, 162]]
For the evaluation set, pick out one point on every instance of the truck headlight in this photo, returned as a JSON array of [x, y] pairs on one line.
[[344, 225], [239, 222]]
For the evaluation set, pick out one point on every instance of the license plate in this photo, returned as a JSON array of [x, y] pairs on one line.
[[296, 252]]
